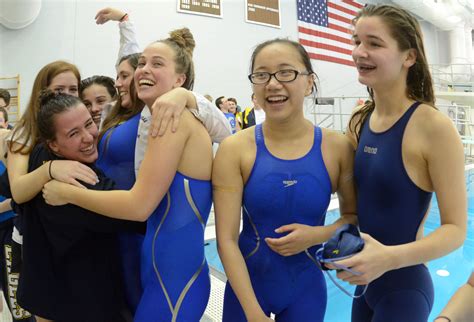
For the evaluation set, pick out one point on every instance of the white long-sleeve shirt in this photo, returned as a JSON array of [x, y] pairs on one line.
[[128, 40]]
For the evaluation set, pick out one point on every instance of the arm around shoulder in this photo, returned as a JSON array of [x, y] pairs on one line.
[[151, 185], [213, 119]]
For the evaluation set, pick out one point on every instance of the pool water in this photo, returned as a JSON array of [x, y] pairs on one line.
[[448, 272]]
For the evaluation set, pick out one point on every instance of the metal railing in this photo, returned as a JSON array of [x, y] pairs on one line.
[[453, 77], [336, 116], [333, 112]]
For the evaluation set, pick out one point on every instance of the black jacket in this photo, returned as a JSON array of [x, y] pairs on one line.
[[71, 269]]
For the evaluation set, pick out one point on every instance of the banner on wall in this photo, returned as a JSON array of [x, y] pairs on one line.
[[212, 8], [263, 12]]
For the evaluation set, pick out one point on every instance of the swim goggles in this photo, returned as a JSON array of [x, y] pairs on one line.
[[344, 243]]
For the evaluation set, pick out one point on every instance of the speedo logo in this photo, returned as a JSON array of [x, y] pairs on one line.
[[289, 183], [369, 149]]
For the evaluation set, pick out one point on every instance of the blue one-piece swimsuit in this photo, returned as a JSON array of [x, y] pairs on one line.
[[281, 192], [175, 275], [391, 209], [116, 159]]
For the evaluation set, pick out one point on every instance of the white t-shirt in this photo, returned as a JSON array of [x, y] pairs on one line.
[[259, 116]]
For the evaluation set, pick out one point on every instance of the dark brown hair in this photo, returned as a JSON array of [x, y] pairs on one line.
[[119, 113], [105, 81], [405, 29], [52, 104], [5, 94]]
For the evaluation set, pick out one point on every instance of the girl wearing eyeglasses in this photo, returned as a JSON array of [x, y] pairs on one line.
[[280, 183]]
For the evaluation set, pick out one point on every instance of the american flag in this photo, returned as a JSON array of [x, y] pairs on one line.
[[325, 29]]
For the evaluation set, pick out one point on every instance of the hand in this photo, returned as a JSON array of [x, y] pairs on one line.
[[168, 107], [107, 14], [373, 261], [53, 193], [5, 205], [70, 171], [300, 237]]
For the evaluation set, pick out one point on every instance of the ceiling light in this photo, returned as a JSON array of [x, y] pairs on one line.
[[454, 19]]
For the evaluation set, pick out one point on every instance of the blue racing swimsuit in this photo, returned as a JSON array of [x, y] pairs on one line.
[[116, 159], [391, 208], [281, 192], [175, 275]]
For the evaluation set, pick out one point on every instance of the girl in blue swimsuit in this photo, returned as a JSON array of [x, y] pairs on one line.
[[404, 148], [172, 191], [280, 174]]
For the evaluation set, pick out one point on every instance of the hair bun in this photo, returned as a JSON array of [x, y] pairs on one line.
[[45, 96], [183, 38]]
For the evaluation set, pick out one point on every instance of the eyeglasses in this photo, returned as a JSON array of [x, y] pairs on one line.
[[284, 76]]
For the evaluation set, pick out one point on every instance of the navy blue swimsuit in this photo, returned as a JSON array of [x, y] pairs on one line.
[[391, 208], [281, 192]]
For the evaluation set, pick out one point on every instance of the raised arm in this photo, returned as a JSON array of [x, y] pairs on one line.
[[166, 111], [128, 38], [151, 186], [227, 189]]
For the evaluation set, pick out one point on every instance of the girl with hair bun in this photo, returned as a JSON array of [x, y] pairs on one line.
[[172, 191], [118, 137]]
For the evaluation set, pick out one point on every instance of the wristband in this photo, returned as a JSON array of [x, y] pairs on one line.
[[49, 170], [443, 317], [124, 17]]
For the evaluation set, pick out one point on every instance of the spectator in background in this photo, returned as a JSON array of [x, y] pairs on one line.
[[3, 118], [5, 104], [233, 108], [223, 104], [208, 97], [252, 115], [232, 105], [237, 107], [4, 98]]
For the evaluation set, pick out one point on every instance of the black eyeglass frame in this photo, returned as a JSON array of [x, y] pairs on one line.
[[295, 72]]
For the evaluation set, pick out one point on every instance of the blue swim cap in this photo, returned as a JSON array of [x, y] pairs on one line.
[[344, 243]]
